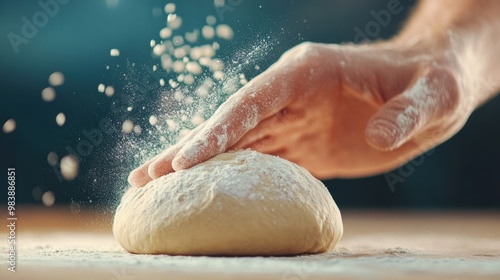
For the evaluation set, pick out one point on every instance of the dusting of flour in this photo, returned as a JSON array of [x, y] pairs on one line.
[[238, 203], [241, 175]]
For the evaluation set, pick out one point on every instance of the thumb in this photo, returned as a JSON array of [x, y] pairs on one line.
[[431, 97]]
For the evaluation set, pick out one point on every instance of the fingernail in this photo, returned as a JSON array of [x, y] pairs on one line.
[[178, 163], [187, 155], [151, 170], [138, 178], [159, 167]]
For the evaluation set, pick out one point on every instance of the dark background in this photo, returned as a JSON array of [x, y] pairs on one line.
[[462, 173]]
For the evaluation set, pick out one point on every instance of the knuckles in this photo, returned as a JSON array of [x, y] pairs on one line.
[[306, 52], [311, 62]]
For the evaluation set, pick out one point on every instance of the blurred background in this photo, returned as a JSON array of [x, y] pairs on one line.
[[76, 40]]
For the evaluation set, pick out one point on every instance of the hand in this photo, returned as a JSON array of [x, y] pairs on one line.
[[338, 111]]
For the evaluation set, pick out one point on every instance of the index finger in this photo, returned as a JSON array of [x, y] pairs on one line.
[[260, 98]]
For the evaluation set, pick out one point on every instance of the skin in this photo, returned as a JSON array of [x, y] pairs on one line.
[[357, 110]]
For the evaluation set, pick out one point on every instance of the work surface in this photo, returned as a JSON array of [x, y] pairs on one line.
[[57, 244]]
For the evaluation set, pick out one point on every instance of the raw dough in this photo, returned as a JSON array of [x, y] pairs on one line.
[[239, 203]]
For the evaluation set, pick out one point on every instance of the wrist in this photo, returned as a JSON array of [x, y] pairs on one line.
[[466, 55], [462, 38]]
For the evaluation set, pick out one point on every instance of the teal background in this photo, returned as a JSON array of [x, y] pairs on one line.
[[462, 173]]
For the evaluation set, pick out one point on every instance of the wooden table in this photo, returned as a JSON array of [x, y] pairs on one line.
[[56, 243]]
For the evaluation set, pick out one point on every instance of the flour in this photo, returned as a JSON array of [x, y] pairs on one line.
[[406, 119], [418, 94], [9, 126], [192, 81], [360, 256], [421, 104], [222, 139], [229, 175], [216, 127]]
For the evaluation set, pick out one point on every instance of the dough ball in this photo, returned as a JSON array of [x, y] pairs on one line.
[[239, 204]]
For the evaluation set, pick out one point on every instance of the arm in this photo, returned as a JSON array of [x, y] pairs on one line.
[[466, 30]]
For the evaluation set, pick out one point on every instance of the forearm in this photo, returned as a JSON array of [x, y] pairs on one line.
[[465, 31]]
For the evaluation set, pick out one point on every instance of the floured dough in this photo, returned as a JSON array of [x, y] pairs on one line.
[[239, 203]]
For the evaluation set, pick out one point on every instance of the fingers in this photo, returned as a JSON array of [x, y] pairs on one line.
[[234, 118], [162, 165], [259, 99], [139, 177], [262, 97], [431, 97], [268, 129], [294, 74], [159, 165]]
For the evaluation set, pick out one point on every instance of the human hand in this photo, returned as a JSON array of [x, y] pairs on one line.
[[338, 111]]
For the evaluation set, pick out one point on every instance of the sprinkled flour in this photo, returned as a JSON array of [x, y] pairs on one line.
[[241, 174], [190, 81]]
